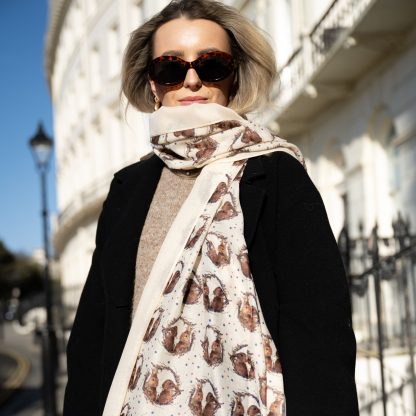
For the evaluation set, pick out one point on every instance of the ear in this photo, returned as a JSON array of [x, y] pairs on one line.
[[153, 87]]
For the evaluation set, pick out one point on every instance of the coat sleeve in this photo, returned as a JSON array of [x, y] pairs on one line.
[[316, 341], [84, 348]]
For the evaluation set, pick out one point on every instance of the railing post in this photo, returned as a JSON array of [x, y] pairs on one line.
[[408, 274], [363, 257], [402, 235], [397, 226], [344, 248], [377, 288]]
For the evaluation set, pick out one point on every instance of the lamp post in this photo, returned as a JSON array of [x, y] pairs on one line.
[[41, 147]]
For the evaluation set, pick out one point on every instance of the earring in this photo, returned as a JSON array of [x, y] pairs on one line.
[[157, 103]]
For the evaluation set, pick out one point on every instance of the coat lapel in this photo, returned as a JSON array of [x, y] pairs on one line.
[[119, 255], [252, 195]]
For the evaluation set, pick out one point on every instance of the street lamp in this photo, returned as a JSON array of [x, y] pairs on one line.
[[41, 147]]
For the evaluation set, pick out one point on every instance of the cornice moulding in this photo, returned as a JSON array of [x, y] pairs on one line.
[[57, 12]]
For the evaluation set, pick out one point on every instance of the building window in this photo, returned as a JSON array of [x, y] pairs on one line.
[[383, 132], [95, 70], [77, 19], [113, 51], [136, 14], [393, 154], [345, 205]]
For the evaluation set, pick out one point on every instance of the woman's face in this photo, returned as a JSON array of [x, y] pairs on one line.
[[188, 39]]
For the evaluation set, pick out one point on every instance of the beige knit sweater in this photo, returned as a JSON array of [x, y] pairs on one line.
[[169, 196]]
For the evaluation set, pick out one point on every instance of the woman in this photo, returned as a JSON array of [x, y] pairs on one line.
[[216, 286]]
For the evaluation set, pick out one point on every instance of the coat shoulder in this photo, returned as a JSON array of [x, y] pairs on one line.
[[129, 173], [290, 174], [127, 181]]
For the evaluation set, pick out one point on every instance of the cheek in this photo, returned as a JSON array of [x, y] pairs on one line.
[[222, 90], [168, 98], [166, 94], [220, 96]]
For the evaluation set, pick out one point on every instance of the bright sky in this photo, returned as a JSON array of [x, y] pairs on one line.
[[24, 101]]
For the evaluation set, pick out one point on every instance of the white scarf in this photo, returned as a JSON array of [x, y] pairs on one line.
[[198, 343]]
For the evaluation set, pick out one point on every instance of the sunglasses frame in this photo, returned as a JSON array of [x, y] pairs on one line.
[[231, 65]]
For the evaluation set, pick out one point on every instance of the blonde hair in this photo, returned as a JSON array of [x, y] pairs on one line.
[[256, 71]]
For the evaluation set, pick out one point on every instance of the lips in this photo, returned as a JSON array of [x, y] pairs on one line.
[[192, 100]]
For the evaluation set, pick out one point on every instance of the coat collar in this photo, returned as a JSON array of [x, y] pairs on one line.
[[254, 171]]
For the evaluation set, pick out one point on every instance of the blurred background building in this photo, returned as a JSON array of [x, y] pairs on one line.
[[347, 98]]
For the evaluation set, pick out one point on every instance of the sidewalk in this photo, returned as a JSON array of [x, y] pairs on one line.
[[14, 369], [21, 375]]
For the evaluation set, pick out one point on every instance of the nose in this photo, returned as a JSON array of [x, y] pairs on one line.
[[192, 80]]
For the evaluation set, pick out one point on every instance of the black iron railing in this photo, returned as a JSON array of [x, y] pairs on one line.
[[381, 273]]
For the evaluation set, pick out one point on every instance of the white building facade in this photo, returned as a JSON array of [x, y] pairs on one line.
[[347, 98]]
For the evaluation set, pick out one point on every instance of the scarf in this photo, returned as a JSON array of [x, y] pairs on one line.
[[198, 343]]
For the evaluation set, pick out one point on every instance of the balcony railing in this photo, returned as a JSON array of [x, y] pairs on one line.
[[82, 199], [330, 33]]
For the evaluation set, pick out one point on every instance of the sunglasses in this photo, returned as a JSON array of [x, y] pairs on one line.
[[210, 67]]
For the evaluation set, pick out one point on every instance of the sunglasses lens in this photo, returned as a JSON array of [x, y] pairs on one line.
[[214, 68], [210, 67], [167, 72]]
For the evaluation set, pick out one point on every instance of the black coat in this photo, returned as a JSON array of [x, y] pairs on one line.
[[298, 275]]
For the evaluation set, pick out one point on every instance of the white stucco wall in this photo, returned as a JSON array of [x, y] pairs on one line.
[[378, 177]]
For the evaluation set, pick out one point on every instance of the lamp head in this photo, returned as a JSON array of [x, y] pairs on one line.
[[41, 146]]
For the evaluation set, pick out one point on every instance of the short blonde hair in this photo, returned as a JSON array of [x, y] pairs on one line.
[[256, 62]]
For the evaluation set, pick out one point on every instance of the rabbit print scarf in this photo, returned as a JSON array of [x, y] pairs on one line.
[[198, 344]]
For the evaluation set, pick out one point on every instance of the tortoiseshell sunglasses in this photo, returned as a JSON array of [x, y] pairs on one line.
[[210, 67]]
